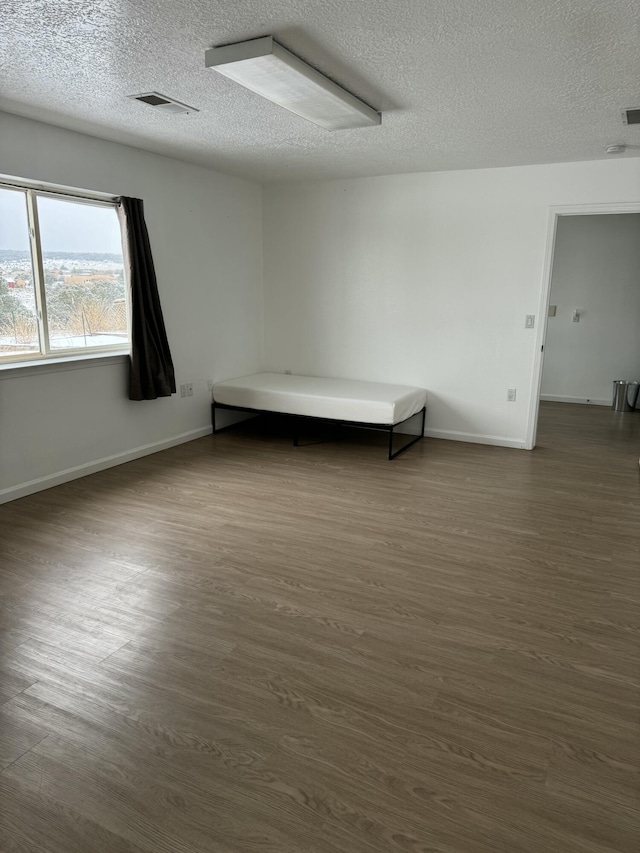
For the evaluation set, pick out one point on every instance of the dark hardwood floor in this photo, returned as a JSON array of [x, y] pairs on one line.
[[237, 646]]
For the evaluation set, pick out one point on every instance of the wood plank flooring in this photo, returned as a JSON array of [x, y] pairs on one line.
[[237, 646]]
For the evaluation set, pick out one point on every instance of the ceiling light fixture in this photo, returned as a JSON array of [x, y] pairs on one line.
[[618, 148], [631, 116], [270, 70]]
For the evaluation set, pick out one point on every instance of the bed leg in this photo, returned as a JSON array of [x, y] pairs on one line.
[[415, 439]]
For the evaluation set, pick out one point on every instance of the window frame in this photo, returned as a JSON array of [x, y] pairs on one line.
[[46, 355]]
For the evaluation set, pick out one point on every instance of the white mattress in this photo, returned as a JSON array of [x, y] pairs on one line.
[[339, 399]]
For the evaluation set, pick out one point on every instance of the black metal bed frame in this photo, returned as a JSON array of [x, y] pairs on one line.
[[300, 419]]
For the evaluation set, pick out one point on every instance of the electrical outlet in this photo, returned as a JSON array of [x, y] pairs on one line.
[[511, 395], [210, 384], [189, 389], [183, 390]]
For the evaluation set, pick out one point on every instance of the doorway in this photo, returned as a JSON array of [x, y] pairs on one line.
[[590, 302]]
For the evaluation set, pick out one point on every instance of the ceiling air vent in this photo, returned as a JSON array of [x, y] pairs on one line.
[[162, 103], [631, 116]]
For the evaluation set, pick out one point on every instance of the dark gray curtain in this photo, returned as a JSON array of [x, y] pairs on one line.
[[151, 373]]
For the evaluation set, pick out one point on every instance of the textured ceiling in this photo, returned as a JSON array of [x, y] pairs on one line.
[[461, 84]]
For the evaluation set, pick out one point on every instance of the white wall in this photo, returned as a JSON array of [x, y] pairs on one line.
[[423, 279], [206, 236], [596, 270]]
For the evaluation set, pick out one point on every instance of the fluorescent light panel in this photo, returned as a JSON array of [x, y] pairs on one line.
[[270, 70]]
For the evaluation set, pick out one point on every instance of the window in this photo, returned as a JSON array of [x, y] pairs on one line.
[[62, 280]]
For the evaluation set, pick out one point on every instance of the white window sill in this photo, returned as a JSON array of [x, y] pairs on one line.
[[18, 369]]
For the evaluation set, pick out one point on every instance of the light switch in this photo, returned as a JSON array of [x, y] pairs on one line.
[[530, 321], [552, 310], [576, 317]]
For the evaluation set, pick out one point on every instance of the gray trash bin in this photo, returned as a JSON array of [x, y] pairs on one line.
[[625, 395]]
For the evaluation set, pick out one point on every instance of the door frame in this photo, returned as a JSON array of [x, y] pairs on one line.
[[555, 212]]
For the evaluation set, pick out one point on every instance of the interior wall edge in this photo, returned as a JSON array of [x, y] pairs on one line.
[[21, 490], [554, 398], [476, 438]]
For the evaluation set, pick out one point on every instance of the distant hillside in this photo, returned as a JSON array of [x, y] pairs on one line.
[[17, 255]]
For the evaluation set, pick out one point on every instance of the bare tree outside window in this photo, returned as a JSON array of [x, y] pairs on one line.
[[18, 312]]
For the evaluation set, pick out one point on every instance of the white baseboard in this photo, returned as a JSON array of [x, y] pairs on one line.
[[475, 438], [585, 401], [21, 490], [32, 486]]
